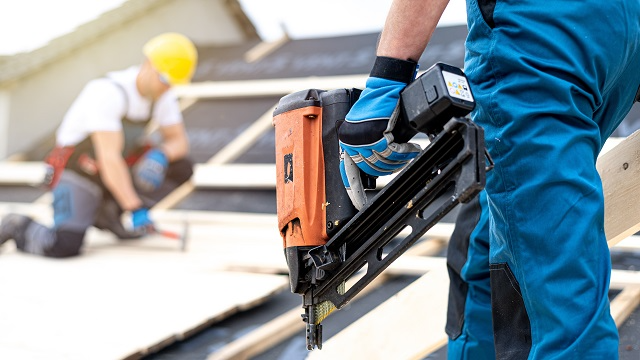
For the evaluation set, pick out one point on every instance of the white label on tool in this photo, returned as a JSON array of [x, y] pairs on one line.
[[457, 85]]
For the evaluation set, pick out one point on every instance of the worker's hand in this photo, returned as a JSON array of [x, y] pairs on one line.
[[150, 170], [366, 137], [352, 182], [108, 218], [141, 222]]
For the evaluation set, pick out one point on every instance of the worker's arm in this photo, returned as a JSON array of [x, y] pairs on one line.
[[114, 172], [175, 143], [150, 171], [408, 28], [366, 136]]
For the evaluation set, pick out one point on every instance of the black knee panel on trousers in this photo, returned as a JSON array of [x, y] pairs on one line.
[[67, 244], [511, 325], [457, 251]]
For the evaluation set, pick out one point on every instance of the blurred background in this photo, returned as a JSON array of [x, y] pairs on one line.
[[251, 53]]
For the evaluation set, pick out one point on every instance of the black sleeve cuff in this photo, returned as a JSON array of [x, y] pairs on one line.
[[394, 69]]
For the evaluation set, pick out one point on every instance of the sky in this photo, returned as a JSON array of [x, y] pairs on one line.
[[29, 24], [26, 25], [329, 17]]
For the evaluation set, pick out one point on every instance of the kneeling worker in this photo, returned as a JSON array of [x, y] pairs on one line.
[[103, 162]]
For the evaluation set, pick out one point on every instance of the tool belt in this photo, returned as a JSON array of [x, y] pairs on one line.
[[57, 159], [82, 162]]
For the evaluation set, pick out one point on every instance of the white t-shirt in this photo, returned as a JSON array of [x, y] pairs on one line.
[[102, 104]]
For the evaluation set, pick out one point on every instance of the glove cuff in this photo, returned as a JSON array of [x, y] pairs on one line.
[[139, 210], [394, 69], [158, 155]]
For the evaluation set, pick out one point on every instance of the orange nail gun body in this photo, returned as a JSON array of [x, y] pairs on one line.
[[309, 209]]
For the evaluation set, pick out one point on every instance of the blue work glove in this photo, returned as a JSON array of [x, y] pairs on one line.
[[150, 170], [140, 221], [366, 137]]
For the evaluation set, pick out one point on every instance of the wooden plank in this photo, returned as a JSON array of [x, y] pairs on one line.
[[274, 332], [611, 143], [269, 87], [621, 279], [227, 154], [409, 325], [632, 243], [625, 303], [126, 299], [619, 169], [30, 173], [237, 176], [264, 48], [287, 324], [253, 344], [405, 335]]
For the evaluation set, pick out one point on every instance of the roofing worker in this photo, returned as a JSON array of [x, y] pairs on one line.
[[103, 162], [529, 257]]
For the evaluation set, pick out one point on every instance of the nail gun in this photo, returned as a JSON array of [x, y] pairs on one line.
[[326, 240]]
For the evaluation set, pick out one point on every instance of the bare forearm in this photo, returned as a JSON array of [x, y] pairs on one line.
[[408, 28], [115, 176], [175, 149], [175, 144]]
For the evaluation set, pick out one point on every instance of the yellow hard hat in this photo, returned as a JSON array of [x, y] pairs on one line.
[[173, 55]]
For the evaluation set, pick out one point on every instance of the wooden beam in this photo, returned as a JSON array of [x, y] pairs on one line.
[[619, 170], [30, 173], [270, 87], [227, 154], [631, 243], [621, 279], [244, 176], [264, 48], [625, 303]]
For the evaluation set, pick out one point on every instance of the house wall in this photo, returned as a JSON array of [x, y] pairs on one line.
[[38, 102]]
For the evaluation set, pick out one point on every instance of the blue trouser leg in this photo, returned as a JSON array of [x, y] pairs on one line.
[[552, 80], [469, 314], [76, 200]]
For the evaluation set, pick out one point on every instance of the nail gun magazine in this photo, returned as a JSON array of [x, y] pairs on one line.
[[333, 251]]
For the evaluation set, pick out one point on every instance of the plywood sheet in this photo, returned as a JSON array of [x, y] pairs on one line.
[[124, 299], [396, 332]]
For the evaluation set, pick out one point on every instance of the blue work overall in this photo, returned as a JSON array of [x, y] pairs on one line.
[[529, 258]]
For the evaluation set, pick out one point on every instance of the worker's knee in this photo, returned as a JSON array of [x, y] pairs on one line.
[[67, 244]]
